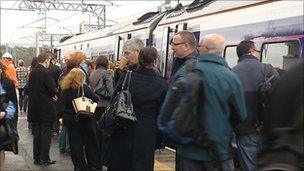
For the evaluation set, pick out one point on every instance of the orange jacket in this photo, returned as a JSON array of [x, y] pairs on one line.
[[11, 71]]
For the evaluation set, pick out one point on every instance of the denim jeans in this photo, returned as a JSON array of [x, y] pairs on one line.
[[64, 145], [248, 147]]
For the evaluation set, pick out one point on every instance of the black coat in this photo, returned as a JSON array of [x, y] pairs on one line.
[[284, 124], [41, 107], [133, 148], [55, 73]]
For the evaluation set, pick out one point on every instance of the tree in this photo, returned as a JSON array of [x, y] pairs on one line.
[[24, 53]]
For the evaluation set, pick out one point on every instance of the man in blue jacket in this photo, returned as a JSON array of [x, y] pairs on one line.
[[251, 73], [224, 108]]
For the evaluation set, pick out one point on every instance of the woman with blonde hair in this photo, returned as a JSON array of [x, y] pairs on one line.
[[82, 132]]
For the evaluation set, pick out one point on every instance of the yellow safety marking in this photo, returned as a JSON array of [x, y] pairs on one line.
[[158, 166]]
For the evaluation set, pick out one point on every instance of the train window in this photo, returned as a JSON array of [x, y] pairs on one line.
[[88, 45], [231, 55], [74, 47], [281, 54]]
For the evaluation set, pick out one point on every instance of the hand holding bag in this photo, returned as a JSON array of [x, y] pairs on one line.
[[83, 106]]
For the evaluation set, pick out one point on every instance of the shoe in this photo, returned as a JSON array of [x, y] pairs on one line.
[[36, 162], [46, 163]]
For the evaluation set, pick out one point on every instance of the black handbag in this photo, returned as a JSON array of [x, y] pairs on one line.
[[124, 110], [120, 112]]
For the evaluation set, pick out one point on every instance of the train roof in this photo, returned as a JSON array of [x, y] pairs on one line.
[[176, 15]]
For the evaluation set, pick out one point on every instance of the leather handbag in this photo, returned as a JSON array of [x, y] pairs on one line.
[[120, 112], [124, 110], [83, 106]]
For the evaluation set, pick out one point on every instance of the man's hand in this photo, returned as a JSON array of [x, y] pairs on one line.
[[2, 114]]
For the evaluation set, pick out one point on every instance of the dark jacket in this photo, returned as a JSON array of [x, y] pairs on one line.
[[55, 72], [284, 124], [66, 99], [251, 73], [41, 107], [179, 62], [7, 87], [101, 76], [224, 107], [133, 148]]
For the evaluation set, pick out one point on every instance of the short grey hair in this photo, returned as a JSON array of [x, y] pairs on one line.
[[215, 43], [134, 44]]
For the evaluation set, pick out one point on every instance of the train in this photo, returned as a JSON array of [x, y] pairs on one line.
[[275, 26]]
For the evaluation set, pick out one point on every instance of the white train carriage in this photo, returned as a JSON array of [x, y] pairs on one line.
[[277, 27]]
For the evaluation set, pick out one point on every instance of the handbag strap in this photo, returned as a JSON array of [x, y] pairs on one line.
[[127, 76], [82, 93]]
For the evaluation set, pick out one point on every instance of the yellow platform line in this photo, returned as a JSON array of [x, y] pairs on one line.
[[161, 167]]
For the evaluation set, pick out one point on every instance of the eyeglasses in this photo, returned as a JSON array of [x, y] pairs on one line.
[[176, 44]]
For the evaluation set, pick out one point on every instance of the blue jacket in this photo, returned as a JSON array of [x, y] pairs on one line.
[[224, 107], [251, 73]]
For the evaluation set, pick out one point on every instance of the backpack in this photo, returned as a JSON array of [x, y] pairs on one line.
[[182, 114], [263, 94]]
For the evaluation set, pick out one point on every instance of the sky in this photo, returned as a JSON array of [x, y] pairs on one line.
[[20, 28]]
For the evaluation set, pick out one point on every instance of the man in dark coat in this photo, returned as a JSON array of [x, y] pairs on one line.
[[184, 46], [55, 73], [283, 148], [41, 109], [252, 73], [131, 50]]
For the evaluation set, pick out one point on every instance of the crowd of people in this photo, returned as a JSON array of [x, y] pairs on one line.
[[229, 111]]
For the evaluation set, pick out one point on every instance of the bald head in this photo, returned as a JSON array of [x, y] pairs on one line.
[[213, 44]]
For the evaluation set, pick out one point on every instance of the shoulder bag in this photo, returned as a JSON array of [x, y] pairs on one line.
[[83, 106]]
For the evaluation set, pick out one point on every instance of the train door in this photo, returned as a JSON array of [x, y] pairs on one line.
[[119, 46], [166, 61]]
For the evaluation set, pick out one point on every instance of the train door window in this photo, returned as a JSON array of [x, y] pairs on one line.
[[74, 47], [231, 56], [281, 54], [111, 57]]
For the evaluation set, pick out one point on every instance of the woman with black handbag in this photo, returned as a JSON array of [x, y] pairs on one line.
[[132, 144], [82, 134], [8, 131]]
